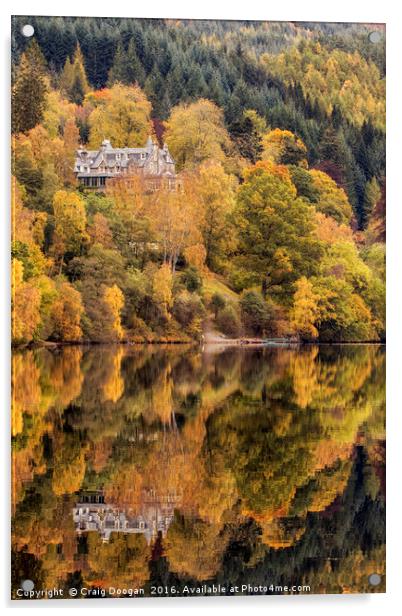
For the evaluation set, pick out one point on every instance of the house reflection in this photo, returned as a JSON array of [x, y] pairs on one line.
[[153, 515]]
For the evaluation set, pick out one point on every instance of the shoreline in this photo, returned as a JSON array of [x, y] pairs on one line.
[[230, 342]]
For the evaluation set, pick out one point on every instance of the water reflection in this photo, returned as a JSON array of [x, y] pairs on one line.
[[155, 465], [91, 513]]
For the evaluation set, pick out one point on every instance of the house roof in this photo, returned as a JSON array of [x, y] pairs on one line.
[[111, 158]]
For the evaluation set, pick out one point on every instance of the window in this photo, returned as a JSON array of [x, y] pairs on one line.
[[143, 155]]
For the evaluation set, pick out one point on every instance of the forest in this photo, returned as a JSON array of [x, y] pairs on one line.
[[278, 229]]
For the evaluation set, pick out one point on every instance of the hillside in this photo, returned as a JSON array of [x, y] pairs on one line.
[[277, 225]]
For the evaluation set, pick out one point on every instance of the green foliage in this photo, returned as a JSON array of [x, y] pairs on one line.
[[187, 308], [126, 67], [246, 133], [192, 279], [217, 303], [277, 244], [29, 90], [331, 200], [228, 321], [257, 313]]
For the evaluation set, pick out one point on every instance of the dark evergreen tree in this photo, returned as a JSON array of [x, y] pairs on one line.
[[29, 90]]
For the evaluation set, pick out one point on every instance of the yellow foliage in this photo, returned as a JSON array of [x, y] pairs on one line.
[[114, 299], [305, 309], [70, 221], [68, 474], [175, 219], [330, 231], [283, 146], [121, 114], [113, 388], [66, 312], [162, 287], [57, 112], [332, 200], [196, 132], [26, 299], [195, 255]]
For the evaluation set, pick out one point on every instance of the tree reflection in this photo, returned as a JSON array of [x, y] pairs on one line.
[[273, 456]]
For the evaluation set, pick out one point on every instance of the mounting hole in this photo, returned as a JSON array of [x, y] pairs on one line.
[[27, 30], [27, 585], [374, 37], [374, 579]]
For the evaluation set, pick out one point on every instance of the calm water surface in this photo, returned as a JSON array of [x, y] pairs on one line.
[[157, 469]]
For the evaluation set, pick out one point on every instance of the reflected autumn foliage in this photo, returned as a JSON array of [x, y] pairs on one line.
[[271, 459]]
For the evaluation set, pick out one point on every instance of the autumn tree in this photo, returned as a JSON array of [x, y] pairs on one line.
[[196, 132], [305, 311], [67, 310], [114, 300], [66, 77], [216, 191], [121, 114], [344, 315], [331, 200], [39, 164], [175, 218], [330, 231], [58, 111], [70, 223], [26, 299], [162, 288], [247, 133], [99, 231], [71, 136], [284, 148], [99, 276], [375, 231], [276, 231]]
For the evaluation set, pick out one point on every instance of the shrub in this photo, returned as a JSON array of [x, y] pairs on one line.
[[191, 278], [228, 322], [217, 303], [257, 313], [187, 306]]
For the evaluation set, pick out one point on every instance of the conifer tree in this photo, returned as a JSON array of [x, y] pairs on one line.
[[29, 90], [372, 194], [118, 71], [66, 77], [79, 85], [135, 71], [126, 67]]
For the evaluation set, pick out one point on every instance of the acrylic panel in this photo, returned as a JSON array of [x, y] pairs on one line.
[[198, 308]]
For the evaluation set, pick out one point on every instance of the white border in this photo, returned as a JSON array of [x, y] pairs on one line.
[[288, 10]]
